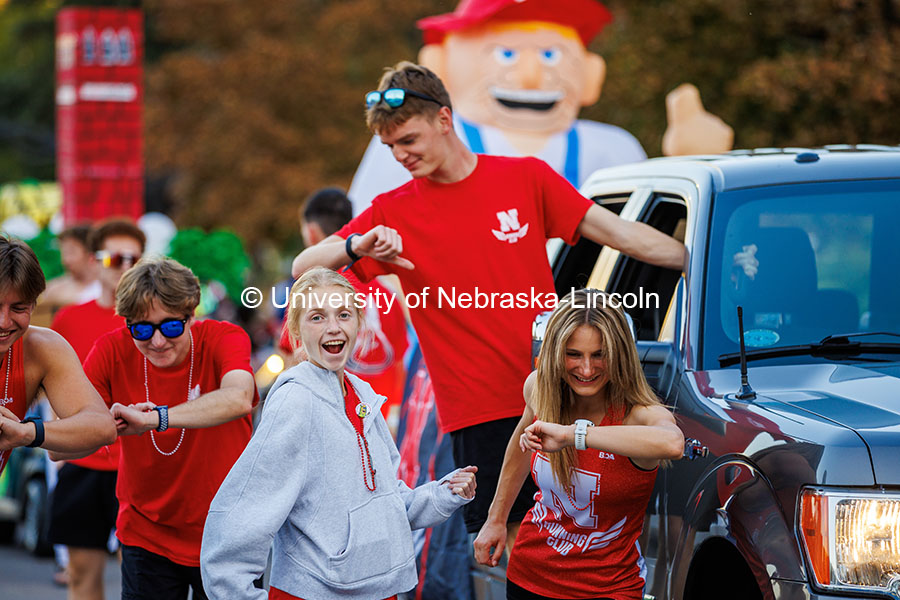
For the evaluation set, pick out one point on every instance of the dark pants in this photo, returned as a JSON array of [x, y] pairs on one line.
[[484, 445], [149, 576], [515, 592]]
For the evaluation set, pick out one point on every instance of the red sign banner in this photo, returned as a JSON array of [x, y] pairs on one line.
[[99, 100]]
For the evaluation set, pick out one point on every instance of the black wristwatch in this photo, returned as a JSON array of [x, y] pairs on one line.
[[38, 431], [348, 247]]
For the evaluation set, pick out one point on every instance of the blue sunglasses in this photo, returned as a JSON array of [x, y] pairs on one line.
[[170, 328], [395, 97]]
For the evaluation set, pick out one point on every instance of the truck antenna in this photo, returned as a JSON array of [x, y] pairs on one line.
[[746, 392]]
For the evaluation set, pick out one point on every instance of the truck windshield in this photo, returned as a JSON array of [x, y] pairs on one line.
[[829, 263]]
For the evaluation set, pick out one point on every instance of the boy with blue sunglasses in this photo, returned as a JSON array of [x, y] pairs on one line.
[[84, 508], [181, 392]]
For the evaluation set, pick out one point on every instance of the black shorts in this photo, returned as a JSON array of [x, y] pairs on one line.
[[83, 509], [150, 576], [515, 592], [484, 445]]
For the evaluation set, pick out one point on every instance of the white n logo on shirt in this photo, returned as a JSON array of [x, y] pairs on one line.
[[577, 505], [510, 230]]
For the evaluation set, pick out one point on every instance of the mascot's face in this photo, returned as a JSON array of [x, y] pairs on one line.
[[529, 76]]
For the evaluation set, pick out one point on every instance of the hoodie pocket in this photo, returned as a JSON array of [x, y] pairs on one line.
[[380, 541]]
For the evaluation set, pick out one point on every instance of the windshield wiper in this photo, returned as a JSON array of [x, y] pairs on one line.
[[835, 347]]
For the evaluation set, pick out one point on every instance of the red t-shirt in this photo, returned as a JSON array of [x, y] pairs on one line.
[[164, 500], [81, 325], [489, 232], [14, 387], [587, 548], [380, 346]]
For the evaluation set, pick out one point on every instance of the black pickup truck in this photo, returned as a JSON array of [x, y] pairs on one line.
[[795, 489]]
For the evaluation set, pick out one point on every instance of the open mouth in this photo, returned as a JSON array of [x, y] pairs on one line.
[[541, 100], [333, 347], [588, 380]]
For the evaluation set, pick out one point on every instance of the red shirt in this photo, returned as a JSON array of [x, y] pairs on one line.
[[489, 232], [81, 325], [381, 345], [587, 548], [15, 399], [164, 500]]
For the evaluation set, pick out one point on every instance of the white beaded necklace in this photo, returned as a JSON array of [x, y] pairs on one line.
[[6, 399], [147, 395], [6, 385]]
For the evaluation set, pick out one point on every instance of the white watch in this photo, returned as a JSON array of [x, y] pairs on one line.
[[581, 426]]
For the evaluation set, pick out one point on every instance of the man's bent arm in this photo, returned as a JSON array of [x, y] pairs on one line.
[[381, 243], [330, 252], [233, 400], [84, 422], [637, 240]]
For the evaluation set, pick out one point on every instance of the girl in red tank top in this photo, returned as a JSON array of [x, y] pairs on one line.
[[597, 435]]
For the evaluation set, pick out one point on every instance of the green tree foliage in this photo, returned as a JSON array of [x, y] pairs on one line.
[[217, 256], [781, 73], [46, 248], [26, 89], [250, 106], [263, 104]]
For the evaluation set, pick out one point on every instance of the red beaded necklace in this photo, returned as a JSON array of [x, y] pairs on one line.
[[364, 457]]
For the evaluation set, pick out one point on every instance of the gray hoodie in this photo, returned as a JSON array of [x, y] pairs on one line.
[[300, 481]]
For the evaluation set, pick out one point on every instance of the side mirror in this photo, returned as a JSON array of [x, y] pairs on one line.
[[659, 361], [694, 449]]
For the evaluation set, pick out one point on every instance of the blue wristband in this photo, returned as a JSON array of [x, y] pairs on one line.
[[163, 412], [38, 431]]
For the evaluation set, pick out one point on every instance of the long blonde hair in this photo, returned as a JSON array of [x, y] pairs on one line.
[[553, 400]]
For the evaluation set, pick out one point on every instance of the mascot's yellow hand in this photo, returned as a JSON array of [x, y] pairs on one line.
[[693, 130]]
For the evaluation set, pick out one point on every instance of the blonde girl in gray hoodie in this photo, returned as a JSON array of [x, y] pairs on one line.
[[317, 481]]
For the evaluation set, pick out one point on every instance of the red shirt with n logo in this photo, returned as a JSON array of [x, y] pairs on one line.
[[584, 543]]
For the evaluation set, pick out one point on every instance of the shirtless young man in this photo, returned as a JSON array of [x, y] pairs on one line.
[[35, 359]]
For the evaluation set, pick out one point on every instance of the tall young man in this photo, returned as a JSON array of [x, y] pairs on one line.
[[33, 358], [468, 220], [84, 508], [181, 392]]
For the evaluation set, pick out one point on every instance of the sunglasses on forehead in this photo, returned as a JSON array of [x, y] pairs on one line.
[[117, 259], [170, 328], [395, 97]]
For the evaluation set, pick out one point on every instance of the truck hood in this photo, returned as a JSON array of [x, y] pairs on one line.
[[864, 399]]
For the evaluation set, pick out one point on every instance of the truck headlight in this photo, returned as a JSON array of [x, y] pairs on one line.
[[852, 538]]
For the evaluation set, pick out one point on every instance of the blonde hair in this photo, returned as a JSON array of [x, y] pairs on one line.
[[315, 277], [162, 279], [553, 400]]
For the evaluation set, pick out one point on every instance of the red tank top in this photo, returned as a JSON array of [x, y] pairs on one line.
[[12, 372], [584, 544]]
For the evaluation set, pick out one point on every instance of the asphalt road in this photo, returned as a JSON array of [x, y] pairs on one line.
[[24, 577]]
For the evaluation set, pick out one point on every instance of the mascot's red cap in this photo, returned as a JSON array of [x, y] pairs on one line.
[[587, 17]]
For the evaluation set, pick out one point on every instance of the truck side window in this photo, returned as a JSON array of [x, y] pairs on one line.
[[574, 265], [646, 290]]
